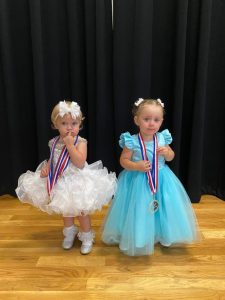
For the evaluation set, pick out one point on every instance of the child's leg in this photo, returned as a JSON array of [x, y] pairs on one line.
[[69, 231], [85, 223], [86, 235], [68, 221]]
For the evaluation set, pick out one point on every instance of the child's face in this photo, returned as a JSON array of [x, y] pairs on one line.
[[149, 119], [67, 125]]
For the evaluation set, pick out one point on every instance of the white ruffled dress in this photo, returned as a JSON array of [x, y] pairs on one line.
[[77, 191]]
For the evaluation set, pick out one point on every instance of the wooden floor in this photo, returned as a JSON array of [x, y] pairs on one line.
[[34, 266]]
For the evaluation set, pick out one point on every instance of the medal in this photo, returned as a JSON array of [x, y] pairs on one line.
[[61, 164], [153, 206], [152, 175]]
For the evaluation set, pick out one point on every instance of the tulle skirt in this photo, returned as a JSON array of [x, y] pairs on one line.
[[132, 224], [77, 191]]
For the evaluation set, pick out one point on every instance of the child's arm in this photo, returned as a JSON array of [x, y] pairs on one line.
[[78, 154], [45, 169], [126, 163], [167, 152]]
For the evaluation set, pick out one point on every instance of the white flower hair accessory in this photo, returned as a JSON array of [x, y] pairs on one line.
[[73, 109], [160, 102], [138, 102]]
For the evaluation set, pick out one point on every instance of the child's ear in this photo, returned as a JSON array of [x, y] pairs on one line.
[[54, 126], [161, 122], [136, 120]]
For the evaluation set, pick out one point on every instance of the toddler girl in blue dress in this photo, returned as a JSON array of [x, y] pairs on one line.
[[150, 205]]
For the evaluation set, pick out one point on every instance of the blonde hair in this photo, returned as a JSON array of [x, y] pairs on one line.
[[55, 113], [137, 108]]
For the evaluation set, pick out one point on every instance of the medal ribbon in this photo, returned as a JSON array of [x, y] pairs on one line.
[[61, 164], [152, 174]]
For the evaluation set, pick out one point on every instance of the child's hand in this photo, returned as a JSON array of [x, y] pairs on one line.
[[69, 140], [143, 165], [164, 151], [44, 171], [167, 152]]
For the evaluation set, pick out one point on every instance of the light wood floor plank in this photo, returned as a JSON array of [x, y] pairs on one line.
[[34, 266]]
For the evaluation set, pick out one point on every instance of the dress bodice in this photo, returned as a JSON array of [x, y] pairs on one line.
[[58, 148], [132, 143]]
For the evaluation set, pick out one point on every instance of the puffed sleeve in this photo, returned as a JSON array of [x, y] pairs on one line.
[[126, 140], [167, 136], [82, 140], [50, 143]]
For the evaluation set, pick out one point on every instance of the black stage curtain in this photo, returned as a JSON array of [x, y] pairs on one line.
[[173, 50], [52, 50]]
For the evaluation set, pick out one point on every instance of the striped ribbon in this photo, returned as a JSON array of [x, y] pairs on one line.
[[152, 174], [61, 164]]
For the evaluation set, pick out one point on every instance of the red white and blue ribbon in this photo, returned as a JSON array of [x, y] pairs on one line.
[[152, 174], [61, 164]]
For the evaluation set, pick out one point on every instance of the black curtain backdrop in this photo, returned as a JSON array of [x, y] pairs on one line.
[[52, 50], [173, 50]]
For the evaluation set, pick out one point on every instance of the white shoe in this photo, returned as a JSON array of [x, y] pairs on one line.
[[69, 233], [87, 239], [165, 244]]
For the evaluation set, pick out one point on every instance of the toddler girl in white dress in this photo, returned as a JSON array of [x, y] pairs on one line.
[[66, 184]]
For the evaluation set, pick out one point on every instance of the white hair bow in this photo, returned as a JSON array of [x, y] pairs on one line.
[[138, 101], [160, 102], [73, 109]]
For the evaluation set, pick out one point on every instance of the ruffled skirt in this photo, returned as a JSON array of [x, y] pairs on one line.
[[132, 224], [77, 192]]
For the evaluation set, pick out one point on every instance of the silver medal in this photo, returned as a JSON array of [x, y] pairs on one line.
[[153, 206]]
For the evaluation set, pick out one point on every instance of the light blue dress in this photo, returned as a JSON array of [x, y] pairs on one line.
[[131, 224]]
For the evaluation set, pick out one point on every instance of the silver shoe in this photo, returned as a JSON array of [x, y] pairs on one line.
[[87, 239], [70, 234]]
